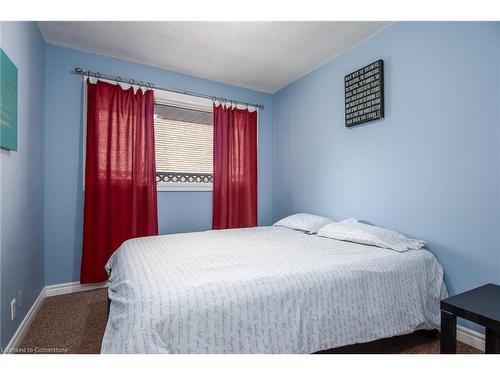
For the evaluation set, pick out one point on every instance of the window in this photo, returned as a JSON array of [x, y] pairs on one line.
[[183, 142]]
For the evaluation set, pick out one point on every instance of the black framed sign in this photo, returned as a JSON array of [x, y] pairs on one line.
[[364, 94]]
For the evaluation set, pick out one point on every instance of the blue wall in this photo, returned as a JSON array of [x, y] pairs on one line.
[[63, 196], [21, 241], [187, 211], [430, 169]]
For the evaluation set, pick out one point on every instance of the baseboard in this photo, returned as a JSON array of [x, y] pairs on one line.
[[470, 337], [72, 287], [48, 291], [25, 323]]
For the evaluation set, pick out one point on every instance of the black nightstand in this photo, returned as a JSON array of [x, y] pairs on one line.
[[481, 306]]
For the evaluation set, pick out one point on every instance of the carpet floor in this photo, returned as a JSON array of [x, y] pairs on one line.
[[74, 323]]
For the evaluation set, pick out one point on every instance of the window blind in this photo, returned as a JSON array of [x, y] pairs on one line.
[[183, 140]]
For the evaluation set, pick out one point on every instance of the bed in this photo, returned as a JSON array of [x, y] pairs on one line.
[[264, 290]]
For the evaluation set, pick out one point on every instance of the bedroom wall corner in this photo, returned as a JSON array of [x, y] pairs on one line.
[[21, 188]]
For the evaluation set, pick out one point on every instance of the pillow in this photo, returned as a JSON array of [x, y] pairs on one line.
[[304, 222], [353, 231]]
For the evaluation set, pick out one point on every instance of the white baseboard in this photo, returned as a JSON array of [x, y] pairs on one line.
[[470, 337], [73, 287], [25, 323], [48, 291]]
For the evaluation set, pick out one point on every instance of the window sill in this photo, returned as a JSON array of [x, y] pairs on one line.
[[166, 186]]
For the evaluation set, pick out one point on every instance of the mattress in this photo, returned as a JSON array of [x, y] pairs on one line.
[[264, 290]]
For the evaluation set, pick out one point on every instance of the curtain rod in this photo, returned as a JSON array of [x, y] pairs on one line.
[[151, 85]]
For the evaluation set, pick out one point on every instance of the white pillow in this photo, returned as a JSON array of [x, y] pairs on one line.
[[353, 231], [304, 222]]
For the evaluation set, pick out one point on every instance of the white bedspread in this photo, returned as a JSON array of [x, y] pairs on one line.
[[264, 290]]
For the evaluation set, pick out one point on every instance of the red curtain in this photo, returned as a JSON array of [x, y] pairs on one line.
[[120, 186], [235, 168]]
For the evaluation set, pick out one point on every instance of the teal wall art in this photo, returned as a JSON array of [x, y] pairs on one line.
[[8, 103]]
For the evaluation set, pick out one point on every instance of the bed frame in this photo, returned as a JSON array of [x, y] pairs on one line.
[[107, 308]]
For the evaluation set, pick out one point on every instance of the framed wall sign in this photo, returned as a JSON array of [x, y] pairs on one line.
[[364, 94], [8, 103]]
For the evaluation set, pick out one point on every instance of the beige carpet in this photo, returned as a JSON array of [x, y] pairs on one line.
[[74, 323]]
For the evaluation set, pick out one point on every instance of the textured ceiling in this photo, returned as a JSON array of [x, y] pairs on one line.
[[264, 56]]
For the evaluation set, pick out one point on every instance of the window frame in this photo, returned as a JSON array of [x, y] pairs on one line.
[[189, 102]]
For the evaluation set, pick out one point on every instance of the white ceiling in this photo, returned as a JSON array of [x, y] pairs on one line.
[[263, 56]]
